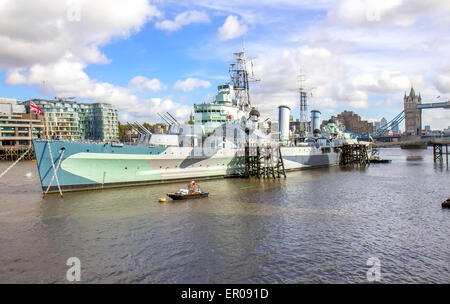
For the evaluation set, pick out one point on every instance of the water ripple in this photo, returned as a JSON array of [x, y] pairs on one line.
[[317, 226]]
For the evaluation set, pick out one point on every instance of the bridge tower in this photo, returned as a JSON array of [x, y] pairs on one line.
[[413, 116]]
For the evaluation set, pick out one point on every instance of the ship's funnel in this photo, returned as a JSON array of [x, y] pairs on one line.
[[315, 121], [283, 122]]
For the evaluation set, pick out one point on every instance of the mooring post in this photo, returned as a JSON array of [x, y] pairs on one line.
[[446, 154]]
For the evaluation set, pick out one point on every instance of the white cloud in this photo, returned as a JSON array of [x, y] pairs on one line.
[[324, 76], [67, 78], [232, 28], [436, 118], [335, 83], [190, 84], [42, 31], [442, 83], [354, 54], [387, 82], [42, 46], [381, 12], [141, 83], [352, 97], [181, 20]]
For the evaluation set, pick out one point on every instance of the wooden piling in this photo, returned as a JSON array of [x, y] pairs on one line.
[[264, 161], [13, 153], [354, 154], [438, 153]]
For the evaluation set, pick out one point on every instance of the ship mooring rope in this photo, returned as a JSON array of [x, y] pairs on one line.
[[61, 153], [9, 168]]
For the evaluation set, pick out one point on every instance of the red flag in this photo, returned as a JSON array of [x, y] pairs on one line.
[[229, 116], [35, 108]]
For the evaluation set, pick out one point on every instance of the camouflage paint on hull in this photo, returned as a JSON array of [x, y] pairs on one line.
[[297, 158], [93, 165]]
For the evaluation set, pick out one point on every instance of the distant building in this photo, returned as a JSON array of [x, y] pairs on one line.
[[105, 123], [413, 117], [70, 120], [10, 106], [159, 128], [395, 130], [446, 131], [392, 130], [130, 136], [427, 128], [16, 127], [351, 122]]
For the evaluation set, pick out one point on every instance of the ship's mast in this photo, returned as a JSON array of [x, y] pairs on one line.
[[240, 80], [304, 123]]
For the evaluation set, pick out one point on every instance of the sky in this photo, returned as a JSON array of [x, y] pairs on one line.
[[148, 57]]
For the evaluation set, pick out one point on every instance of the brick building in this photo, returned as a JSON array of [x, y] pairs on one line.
[[17, 128], [351, 122]]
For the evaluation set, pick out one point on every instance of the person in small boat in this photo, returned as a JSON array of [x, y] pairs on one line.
[[193, 188]]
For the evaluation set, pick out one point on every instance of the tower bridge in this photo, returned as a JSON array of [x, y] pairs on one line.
[[413, 107], [411, 114], [433, 105]]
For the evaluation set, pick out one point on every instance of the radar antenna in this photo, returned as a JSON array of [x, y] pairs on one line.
[[240, 79]]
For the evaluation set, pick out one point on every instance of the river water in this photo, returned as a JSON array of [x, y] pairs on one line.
[[315, 226]]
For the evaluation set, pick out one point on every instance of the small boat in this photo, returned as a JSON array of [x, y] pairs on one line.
[[446, 203], [414, 157], [414, 145], [378, 160], [193, 191]]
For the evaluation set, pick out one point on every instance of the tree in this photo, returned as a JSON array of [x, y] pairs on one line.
[[122, 130], [191, 120], [148, 126]]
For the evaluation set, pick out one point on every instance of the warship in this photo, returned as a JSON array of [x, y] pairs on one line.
[[213, 147]]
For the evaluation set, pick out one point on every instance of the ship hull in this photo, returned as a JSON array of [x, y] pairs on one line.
[[84, 165], [301, 158]]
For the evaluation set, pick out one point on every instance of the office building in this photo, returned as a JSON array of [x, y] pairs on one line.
[[70, 120]]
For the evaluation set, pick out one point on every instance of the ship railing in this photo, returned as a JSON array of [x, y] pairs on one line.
[[75, 141]]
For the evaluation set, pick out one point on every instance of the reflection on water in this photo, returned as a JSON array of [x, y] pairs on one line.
[[315, 226]]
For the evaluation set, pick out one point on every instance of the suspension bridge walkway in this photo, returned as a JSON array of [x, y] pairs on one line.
[[382, 133]]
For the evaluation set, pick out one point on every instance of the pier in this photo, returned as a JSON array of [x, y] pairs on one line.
[[438, 153], [354, 154], [13, 153], [264, 161]]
